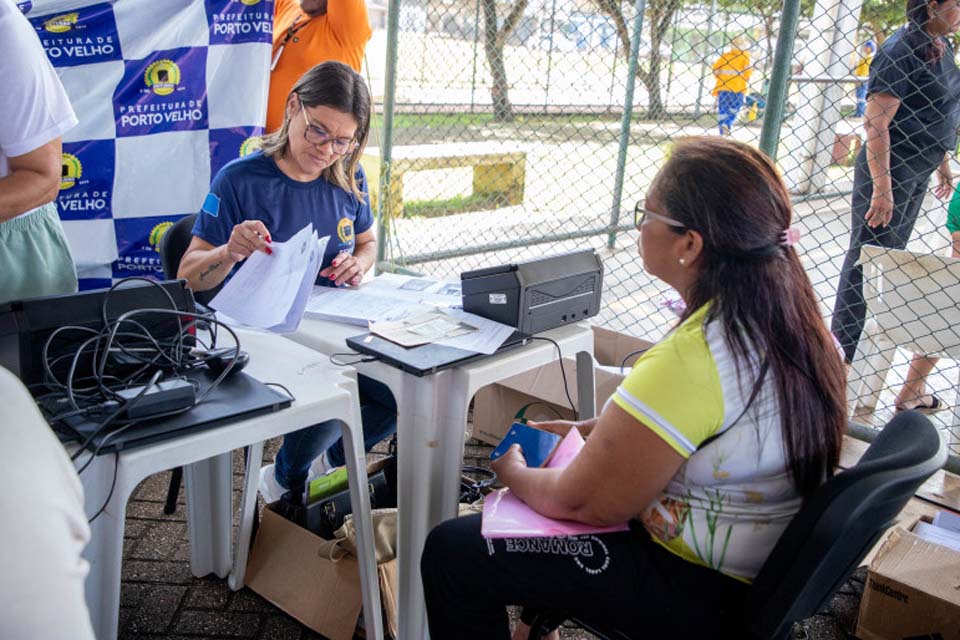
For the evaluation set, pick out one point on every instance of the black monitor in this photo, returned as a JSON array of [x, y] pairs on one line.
[[26, 325]]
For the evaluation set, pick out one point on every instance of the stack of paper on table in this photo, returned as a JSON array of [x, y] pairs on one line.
[[506, 516], [400, 301], [388, 297], [271, 291]]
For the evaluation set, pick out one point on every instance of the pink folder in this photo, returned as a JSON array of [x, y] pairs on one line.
[[506, 516]]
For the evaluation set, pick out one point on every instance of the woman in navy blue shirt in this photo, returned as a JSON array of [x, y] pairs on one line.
[[911, 127], [308, 172]]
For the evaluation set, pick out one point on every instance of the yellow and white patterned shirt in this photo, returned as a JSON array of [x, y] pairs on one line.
[[733, 496]]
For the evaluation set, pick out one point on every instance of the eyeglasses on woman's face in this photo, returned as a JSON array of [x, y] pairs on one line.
[[641, 213], [318, 137]]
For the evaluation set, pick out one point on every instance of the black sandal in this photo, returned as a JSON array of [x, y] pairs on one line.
[[935, 405]]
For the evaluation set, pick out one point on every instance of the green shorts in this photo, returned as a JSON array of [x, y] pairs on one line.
[[35, 258]]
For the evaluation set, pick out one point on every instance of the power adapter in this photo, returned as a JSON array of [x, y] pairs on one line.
[[162, 397]]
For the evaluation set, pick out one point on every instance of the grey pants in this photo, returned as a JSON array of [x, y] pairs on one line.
[[35, 258], [910, 174]]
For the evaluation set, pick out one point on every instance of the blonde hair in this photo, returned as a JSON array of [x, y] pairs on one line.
[[335, 85]]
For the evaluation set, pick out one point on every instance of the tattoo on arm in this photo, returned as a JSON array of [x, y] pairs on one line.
[[215, 266]]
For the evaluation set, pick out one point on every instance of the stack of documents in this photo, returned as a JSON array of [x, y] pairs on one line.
[[410, 311], [271, 291], [945, 530]]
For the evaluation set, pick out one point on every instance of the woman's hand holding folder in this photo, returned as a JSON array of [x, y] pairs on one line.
[[561, 427]]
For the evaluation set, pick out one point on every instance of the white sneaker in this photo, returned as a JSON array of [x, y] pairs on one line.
[[270, 489], [319, 467]]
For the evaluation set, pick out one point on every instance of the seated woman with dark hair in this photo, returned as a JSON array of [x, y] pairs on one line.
[[708, 447]]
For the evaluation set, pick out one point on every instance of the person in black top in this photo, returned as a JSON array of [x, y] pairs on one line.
[[913, 109]]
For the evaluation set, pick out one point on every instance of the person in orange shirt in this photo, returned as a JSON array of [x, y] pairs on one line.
[[306, 33], [732, 72]]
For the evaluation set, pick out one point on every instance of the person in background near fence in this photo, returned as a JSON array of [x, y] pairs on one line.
[[913, 109], [862, 70], [913, 394], [35, 112], [732, 71], [306, 33], [308, 172], [716, 481]]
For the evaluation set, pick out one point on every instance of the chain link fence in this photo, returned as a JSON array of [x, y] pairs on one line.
[[528, 127]]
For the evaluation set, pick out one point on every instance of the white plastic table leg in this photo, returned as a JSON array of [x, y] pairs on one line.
[[420, 430], [363, 524], [248, 503], [209, 486], [105, 551]]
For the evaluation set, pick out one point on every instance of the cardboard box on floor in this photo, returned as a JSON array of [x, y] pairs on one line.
[[313, 579], [912, 590], [541, 390]]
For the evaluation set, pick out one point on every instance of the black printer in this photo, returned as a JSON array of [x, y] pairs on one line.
[[539, 294]]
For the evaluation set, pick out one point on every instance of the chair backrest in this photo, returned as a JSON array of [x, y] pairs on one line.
[[912, 297], [172, 247], [840, 523]]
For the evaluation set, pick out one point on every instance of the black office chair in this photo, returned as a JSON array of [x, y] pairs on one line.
[[832, 532], [173, 245]]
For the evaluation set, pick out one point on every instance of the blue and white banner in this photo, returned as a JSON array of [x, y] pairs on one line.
[[167, 92]]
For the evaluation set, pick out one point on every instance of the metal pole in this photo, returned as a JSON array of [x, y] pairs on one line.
[[869, 434], [476, 38], [386, 148], [641, 6], [707, 49], [779, 79], [546, 89], [673, 45]]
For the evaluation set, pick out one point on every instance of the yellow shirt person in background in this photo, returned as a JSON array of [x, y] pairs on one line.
[[732, 72], [862, 70], [308, 32]]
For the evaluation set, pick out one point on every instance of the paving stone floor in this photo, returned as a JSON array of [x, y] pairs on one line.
[[160, 598]]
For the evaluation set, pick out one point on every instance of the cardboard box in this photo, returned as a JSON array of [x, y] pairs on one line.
[[314, 580], [912, 590], [541, 390]]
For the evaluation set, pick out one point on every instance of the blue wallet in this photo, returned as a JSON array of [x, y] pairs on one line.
[[537, 445]]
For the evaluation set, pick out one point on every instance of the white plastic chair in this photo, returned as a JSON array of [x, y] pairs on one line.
[[912, 302]]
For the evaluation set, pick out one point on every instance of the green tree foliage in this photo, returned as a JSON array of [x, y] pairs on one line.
[[880, 18]]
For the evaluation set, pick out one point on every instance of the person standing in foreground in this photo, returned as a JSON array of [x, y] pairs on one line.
[[708, 447], [913, 109], [35, 258], [43, 531], [308, 32]]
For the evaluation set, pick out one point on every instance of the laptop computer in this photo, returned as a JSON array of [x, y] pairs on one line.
[[26, 327], [238, 396], [425, 359]]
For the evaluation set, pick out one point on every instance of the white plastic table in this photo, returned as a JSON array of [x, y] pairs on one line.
[[431, 426], [322, 391]]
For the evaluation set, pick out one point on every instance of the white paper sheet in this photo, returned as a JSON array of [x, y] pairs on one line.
[[271, 291], [938, 535], [490, 335], [353, 306], [441, 293]]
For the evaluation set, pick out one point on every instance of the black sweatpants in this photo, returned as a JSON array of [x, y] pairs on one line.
[[909, 176], [622, 581]]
